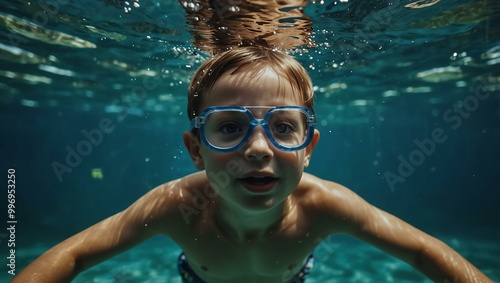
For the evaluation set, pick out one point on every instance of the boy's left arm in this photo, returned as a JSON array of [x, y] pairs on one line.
[[353, 215], [429, 255]]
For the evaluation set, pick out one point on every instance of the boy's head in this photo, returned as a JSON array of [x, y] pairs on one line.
[[253, 59], [252, 108]]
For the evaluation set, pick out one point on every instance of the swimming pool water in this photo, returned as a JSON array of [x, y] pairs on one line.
[[337, 259], [387, 76]]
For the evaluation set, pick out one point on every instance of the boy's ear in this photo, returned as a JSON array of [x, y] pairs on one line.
[[192, 144], [310, 147]]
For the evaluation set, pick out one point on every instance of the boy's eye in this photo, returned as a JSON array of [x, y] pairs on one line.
[[283, 128], [230, 128]]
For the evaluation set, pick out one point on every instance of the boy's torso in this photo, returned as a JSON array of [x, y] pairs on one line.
[[279, 254], [220, 260]]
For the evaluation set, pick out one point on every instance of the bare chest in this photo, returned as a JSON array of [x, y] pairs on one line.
[[273, 259]]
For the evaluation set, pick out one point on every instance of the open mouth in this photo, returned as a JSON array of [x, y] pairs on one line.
[[259, 180], [258, 184]]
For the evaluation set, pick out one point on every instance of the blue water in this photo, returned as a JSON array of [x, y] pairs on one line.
[[387, 78]]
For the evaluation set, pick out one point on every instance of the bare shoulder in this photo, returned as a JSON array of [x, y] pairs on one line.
[[163, 205], [336, 207], [173, 191], [326, 195], [322, 187]]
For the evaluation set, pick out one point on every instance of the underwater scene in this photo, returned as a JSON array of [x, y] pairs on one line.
[[93, 107]]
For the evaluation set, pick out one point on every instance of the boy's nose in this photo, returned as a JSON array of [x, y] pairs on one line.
[[258, 146]]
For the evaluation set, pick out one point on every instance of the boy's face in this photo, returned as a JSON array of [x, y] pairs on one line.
[[257, 175]]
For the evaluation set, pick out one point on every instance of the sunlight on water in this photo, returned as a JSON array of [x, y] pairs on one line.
[[157, 47], [421, 4], [57, 71], [27, 78], [34, 31], [467, 13], [18, 55], [441, 74]]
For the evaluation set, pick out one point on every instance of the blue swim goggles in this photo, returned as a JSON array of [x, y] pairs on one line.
[[227, 128]]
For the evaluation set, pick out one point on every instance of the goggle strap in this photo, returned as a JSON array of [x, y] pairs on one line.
[[197, 122]]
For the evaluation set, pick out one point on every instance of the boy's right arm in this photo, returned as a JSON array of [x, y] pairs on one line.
[[141, 220]]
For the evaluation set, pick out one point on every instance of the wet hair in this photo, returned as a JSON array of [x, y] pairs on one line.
[[259, 58]]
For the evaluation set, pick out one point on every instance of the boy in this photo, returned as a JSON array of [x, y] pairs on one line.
[[252, 134]]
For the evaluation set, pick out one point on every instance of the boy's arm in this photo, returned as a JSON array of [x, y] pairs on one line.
[[427, 254], [103, 240]]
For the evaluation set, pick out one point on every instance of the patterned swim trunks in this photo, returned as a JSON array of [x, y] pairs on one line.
[[188, 275]]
